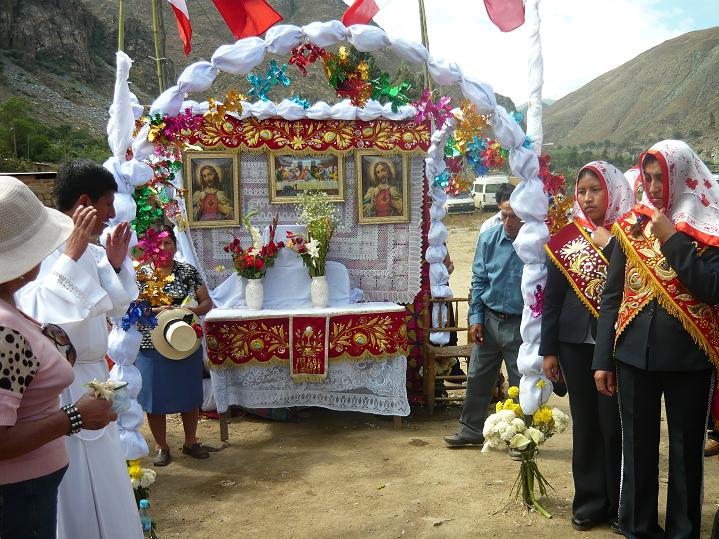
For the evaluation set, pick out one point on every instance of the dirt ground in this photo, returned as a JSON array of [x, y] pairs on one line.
[[337, 474]]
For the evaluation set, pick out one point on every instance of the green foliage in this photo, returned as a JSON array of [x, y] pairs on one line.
[[25, 138]]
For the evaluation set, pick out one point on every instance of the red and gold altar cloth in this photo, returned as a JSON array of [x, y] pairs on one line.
[[307, 340], [334, 136], [649, 276], [582, 263]]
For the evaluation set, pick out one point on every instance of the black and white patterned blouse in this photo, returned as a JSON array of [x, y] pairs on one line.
[[18, 364], [187, 281]]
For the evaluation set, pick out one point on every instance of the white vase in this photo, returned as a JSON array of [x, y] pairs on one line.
[[254, 294], [320, 292]]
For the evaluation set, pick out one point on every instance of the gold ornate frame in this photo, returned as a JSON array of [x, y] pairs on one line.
[[276, 198], [403, 177], [191, 160]]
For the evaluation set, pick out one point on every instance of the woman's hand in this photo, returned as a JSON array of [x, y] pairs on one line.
[[96, 413], [158, 310], [606, 382], [662, 227], [551, 369], [601, 237]]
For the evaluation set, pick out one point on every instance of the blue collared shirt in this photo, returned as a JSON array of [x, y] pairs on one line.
[[496, 276]]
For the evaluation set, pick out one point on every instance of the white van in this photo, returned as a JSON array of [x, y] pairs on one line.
[[484, 189]]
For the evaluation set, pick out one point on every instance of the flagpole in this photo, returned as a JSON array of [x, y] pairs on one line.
[[425, 42], [121, 27], [156, 35]]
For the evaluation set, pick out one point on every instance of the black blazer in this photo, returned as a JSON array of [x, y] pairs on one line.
[[655, 340], [564, 317]]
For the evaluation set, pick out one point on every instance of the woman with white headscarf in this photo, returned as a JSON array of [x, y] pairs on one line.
[[580, 253], [658, 335]]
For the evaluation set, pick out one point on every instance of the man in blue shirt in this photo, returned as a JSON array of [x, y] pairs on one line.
[[495, 313]]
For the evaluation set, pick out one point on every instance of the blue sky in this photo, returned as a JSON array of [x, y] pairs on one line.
[[581, 39]]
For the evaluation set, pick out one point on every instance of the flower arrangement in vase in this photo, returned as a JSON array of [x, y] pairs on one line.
[[321, 219], [508, 427], [252, 263]]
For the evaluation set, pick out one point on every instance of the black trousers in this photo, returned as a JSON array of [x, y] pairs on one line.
[[596, 437], [686, 399]]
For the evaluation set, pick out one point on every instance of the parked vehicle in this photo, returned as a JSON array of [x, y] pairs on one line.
[[484, 189], [462, 202]]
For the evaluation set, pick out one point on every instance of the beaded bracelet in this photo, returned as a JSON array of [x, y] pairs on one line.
[[75, 418]]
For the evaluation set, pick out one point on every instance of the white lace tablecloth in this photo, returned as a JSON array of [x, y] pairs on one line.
[[376, 386]]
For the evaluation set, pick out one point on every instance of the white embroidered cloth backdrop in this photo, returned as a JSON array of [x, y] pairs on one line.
[[241, 57], [382, 260]]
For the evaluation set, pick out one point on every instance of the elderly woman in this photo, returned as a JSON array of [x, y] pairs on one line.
[[35, 367], [172, 386]]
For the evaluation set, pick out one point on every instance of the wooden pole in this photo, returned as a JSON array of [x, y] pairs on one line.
[[425, 42], [156, 35], [121, 27]]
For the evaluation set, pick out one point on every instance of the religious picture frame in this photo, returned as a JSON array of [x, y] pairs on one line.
[[291, 174], [212, 180], [382, 187]]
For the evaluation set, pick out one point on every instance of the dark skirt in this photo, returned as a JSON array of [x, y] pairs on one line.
[[170, 386]]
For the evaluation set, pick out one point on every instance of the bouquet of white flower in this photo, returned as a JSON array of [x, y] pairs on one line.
[[509, 427]]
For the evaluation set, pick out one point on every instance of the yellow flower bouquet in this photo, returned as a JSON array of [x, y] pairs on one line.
[[509, 427]]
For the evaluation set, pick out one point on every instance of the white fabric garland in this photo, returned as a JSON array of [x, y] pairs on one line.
[[528, 200]]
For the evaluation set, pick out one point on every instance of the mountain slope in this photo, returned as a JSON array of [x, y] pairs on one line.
[[669, 91]]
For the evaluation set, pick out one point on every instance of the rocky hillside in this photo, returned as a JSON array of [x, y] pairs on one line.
[[669, 91], [66, 70]]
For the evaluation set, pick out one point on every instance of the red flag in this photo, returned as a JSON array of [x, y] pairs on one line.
[[505, 14], [247, 17], [183, 23], [361, 12]]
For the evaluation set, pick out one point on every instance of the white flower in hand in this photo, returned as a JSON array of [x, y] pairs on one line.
[[313, 248]]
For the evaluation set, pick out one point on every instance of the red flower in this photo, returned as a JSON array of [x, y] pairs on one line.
[[705, 201], [259, 263], [198, 329], [707, 184], [691, 183]]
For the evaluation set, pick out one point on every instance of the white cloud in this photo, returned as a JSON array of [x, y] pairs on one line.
[[580, 39]]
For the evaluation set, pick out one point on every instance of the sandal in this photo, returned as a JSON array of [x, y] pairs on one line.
[[196, 451]]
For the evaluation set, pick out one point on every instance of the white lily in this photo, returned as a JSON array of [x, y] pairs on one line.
[[256, 237], [535, 435], [313, 248], [519, 441]]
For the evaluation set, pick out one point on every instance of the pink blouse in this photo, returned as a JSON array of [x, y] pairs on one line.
[[33, 373]]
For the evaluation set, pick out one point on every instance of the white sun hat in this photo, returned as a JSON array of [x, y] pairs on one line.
[[29, 231], [174, 337]]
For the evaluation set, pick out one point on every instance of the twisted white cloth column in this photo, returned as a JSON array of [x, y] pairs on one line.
[[530, 203], [123, 346]]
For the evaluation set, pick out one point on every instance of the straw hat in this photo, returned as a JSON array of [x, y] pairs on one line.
[[29, 231], [174, 337]]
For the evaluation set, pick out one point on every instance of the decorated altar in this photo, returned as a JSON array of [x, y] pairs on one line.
[[350, 358]]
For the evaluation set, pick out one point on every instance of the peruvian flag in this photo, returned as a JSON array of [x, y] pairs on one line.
[[247, 17], [505, 14], [362, 11], [183, 23]]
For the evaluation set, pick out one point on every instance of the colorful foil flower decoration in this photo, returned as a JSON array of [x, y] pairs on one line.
[[348, 74], [394, 94], [304, 103], [442, 180], [150, 245], [470, 124], [553, 183], [305, 55], [139, 312], [152, 288], [274, 76], [232, 103], [538, 305], [428, 109], [148, 209]]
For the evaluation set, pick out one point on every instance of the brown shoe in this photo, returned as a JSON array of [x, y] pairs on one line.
[[196, 451], [162, 457], [711, 447]]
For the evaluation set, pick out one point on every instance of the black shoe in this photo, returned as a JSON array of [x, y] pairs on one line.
[[614, 526], [455, 440], [582, 524]]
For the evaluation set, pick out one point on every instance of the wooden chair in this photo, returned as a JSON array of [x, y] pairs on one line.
[[431, 352]]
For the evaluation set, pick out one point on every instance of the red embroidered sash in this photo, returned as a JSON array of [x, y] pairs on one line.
[[649, 276], [581, 262]]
